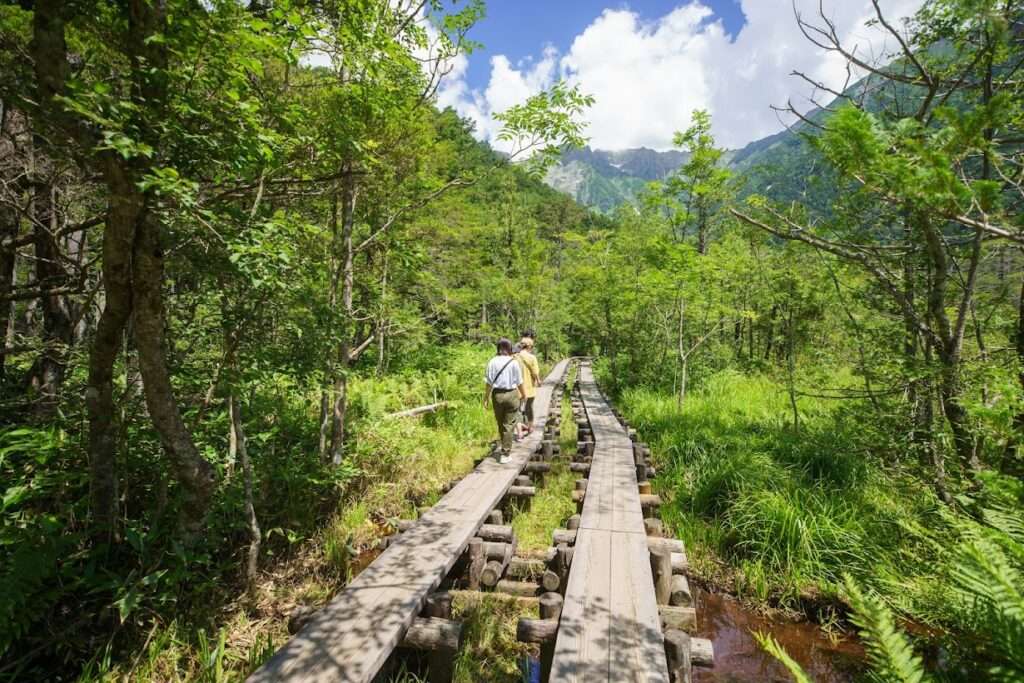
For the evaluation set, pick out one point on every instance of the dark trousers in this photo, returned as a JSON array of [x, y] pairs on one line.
[[506, 409]]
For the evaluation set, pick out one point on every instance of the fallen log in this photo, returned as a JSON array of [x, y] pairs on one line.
[[416, 412]]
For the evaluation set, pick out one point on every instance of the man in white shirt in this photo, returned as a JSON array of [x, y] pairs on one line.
[[504, 380]]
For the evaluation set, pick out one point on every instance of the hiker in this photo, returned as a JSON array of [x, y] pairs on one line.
[[520, 430], [531, 378], [504, 380]]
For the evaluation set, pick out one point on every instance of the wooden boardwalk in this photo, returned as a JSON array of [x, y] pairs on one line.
[[351, 638], [609, 629]]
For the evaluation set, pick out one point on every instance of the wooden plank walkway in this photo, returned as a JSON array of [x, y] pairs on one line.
[[609, 629], [351, 638]]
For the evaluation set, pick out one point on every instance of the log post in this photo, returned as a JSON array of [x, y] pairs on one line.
[[524, 480], [560, 536], [547, 449], [537, 468], [495, 517], [477, 560], [573, 523], [524, 589], [438, 605], [550, 581], [682, 618], [661, 569], [496, 532], [702, 652], [522, 491], [677, 654], [441, 638], [536, 631], [580, 467], [550, 610], [644, 487], [525, 568], [653, 527], [680, 595], [679, 563]]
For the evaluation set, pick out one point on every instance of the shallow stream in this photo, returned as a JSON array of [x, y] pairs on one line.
[[739, 659]]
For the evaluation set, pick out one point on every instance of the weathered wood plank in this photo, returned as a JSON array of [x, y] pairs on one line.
[[352, 636], [610, 629]]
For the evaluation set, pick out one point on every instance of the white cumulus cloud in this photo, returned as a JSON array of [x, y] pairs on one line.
[[648, 76]]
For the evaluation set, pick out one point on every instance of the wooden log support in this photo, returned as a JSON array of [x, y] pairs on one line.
[[431, 633], [673, 545], [578, 496], [651, 472], [550, 581], [639, 452], [579, 467], [495, 550], [702, 652], [680, 595], [560, 536], [438, 605], [680, 564], [477, 560], [550, 608], [441, 638], [496, 532], [563, 562], [492, 573], [677, 654], [525, 568], [644, 488], [653, 527], [536, 631], [524, 480], [573, 523], [495, 517], [524, 589], [580, 485], [661, 571], [641, 473], [682, 618], [537, 468], [522, 491]]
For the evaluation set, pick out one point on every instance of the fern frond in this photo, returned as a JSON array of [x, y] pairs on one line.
[[772, 647], [889, 651]]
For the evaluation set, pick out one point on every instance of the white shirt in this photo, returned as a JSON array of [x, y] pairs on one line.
[[508, 378]]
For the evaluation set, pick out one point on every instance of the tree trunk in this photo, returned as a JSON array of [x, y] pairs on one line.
[[1013, 457], [348, 207], [255, 535], [194, 473], [58, 325], [8, 260]]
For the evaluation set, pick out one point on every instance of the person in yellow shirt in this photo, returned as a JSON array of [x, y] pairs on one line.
[[531, 379]]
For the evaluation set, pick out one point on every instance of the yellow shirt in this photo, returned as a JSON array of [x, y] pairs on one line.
[[528, 364]]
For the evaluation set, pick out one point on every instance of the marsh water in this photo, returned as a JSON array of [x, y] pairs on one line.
[[739, 659]]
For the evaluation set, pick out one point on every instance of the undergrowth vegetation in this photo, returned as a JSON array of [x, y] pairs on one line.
[[171, 603], [819, 520]]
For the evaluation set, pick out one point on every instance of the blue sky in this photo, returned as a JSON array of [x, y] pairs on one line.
[[521, 29], [650, 63]]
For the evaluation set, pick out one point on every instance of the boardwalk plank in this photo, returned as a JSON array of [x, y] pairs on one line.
[[609, 629]]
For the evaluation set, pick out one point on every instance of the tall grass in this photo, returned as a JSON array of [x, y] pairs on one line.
[[788, 510]]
